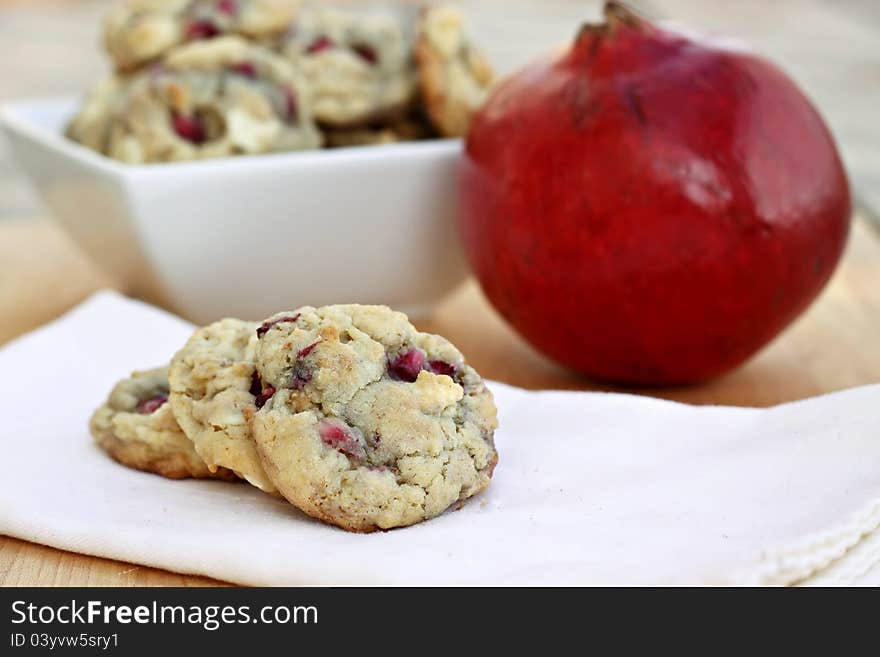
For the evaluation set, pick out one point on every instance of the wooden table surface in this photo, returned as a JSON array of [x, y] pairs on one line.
[[834, 345]]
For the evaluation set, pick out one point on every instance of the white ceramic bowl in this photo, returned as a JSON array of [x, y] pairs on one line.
[[248, 236]]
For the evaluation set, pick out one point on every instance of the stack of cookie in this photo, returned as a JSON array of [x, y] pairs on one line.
[[199, 79], [347, 411]]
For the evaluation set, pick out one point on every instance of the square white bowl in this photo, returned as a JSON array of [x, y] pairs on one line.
[[251, 235]]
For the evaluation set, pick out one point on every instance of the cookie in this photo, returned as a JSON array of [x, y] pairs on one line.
[[360, 137], [213, 384], [213, 99], [138, 31], [367, 423], [91, 125], [407, 129], [453, 77], [136, 427], [359, 68]]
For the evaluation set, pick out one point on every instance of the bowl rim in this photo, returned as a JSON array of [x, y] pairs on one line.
[[17, 117]]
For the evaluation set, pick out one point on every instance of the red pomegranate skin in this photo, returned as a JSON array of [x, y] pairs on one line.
[[651, 209]]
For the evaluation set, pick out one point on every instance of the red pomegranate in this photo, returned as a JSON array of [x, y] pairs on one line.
[[649, 207]]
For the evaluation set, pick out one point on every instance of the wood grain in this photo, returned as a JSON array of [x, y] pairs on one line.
[[28, 564]]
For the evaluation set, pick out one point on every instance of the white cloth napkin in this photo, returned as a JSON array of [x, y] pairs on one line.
[[590, 489]]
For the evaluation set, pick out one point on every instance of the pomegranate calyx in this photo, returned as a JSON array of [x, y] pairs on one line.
[[616, 15]]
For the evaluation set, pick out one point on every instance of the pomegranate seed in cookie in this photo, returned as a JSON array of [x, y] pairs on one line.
[[246, 69], [151, 405], [228, 7], [406, 366], [366, 53], [341, 437], [189, 128], [264, 396], [200, 29], [265, 326], [320, 44]]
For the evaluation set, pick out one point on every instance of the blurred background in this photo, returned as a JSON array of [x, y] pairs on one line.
[[831, 47]]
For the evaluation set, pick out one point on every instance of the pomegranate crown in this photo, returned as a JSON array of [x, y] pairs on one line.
[[616, 15]]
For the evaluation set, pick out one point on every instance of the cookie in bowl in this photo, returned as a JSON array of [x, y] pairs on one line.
[[358, 67], [136, 427], [204, 100], [213, 385], [454, 77], [139, 31], [91, 124], [365, 422], [411, 128]]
